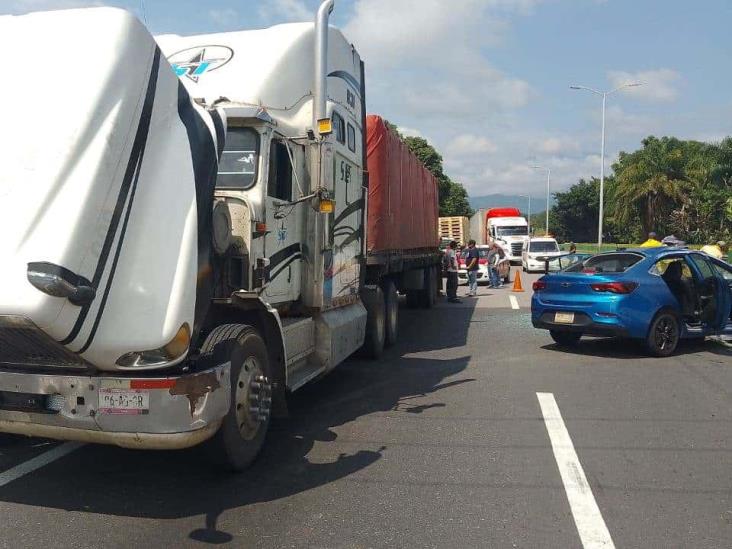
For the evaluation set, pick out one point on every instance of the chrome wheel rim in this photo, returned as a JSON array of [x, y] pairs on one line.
[[253, 398]]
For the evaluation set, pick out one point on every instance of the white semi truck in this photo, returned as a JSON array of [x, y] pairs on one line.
[[506, 226], [183, 229]]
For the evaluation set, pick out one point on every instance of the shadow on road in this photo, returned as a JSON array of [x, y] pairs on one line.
[[609, 347], [169, 485]]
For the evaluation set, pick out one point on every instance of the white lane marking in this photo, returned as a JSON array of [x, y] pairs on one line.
[[591, 527], [514, 301], [37, 462]]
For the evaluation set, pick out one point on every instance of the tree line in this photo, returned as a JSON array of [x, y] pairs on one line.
[[669, 186], [452, 195]]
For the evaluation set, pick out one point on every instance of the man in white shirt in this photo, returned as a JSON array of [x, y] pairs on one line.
[[452, 273]]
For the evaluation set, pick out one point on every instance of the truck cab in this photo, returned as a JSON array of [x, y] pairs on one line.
[[510, 233], [194, 246]]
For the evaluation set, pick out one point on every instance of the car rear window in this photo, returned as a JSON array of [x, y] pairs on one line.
[[608, 263]]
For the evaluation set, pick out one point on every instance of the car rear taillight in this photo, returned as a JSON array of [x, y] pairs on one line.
[[615, 287], [539, 285]]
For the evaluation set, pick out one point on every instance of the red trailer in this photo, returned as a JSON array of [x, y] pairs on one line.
[[402, 226]]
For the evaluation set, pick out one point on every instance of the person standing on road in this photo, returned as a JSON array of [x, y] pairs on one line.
[[452, 273], [494, 257], [572, 248], [471, 265], [652, 241]]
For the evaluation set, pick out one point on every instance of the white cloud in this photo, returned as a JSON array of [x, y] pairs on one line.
[[556, 145], [288, 10], [409, 132], [658, 85], [434, 50], [225, 17], [469, 145]]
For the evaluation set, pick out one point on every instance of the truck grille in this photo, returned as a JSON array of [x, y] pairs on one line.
[[22, 344], [516, 248]]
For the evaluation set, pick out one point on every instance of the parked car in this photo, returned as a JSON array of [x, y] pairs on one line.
[[504, 267], [536, 250], [657, 295]]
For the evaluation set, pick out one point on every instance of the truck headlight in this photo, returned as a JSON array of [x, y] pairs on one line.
[[175, 349]]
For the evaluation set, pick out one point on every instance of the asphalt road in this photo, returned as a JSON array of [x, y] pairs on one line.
[[442, 443]]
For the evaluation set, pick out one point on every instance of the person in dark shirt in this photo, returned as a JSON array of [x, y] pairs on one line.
[[471, 264]]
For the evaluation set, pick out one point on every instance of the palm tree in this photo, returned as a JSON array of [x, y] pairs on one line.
[[650, 183]]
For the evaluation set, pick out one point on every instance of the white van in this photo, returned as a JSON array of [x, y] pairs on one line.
[[535, 248]]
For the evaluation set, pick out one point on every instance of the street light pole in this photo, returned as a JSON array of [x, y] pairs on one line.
[[602, 151], [528, 197], [548, 176], [602, 178]]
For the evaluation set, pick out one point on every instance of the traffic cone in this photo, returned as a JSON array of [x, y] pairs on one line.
[[517, 287]]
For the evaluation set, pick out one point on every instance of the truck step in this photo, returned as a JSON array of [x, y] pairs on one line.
[[300, 342]]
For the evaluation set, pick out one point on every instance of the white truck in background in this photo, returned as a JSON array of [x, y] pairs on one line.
[[505, 226]]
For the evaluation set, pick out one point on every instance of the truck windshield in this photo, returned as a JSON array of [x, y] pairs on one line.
[[512, 231], [543, 247], [239, 160]]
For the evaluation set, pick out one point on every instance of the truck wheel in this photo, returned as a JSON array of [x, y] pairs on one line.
[[244, 428], [428, 296], [391, 300], [413, 299], [373, 345]]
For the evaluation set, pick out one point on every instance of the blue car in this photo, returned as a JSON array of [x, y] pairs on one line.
[[655, 295]]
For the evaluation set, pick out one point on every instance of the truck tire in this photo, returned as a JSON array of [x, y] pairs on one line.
[[391, 302], [428, 297], [241, 436], [373, 300]]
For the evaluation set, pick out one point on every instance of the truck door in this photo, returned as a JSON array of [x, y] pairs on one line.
[[283, 240]]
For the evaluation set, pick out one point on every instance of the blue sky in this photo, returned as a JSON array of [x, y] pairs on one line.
[[487, 81]]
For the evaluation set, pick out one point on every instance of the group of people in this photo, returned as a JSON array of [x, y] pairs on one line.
[[471, 258], [718, 249]]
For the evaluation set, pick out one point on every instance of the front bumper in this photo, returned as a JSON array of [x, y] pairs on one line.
[[183, 410], [480, 276]]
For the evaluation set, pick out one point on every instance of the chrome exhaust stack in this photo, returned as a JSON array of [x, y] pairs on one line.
[[320, 85]]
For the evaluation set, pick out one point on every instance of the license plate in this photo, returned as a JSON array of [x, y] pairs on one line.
[[124, 401], [564, 318]]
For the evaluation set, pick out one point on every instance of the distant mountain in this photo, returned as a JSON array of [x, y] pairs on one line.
[[538, 203]]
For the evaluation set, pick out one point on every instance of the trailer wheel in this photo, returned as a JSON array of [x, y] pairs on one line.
[[391, 301], [244, 428], [428, 296], [373, 300]]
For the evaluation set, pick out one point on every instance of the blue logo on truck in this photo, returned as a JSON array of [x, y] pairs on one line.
[[195, 62]]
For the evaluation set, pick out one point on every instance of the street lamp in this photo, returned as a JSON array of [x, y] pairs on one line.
[[548, 175], [604, 95], [528, 197]]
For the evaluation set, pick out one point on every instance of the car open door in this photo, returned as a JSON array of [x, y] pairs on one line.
[[714, 294], [724, 271]]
